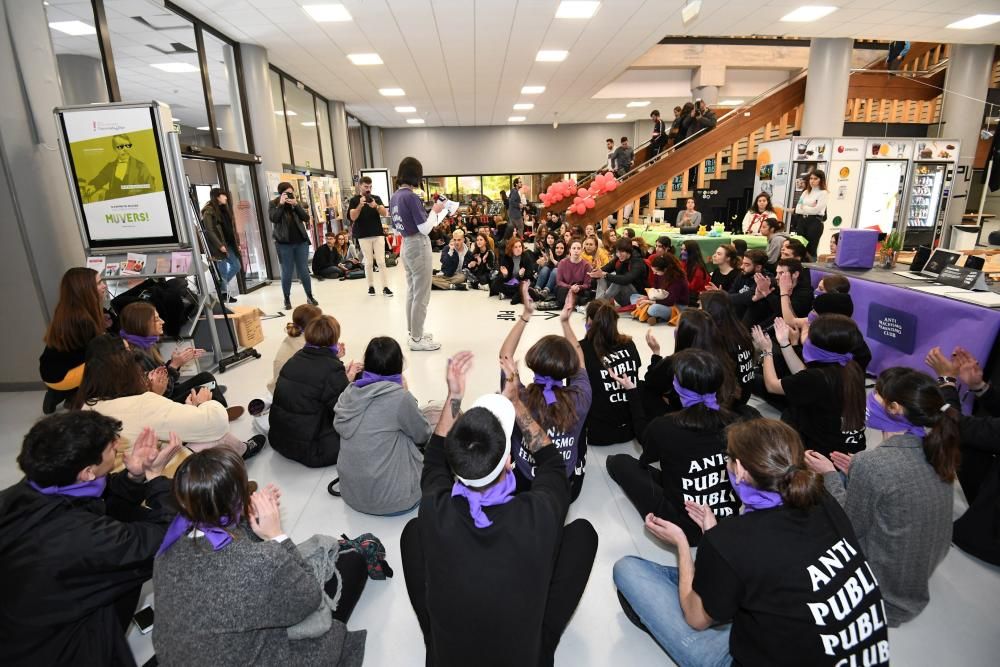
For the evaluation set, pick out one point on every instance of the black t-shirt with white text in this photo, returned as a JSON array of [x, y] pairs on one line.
[[610, 419], [815, 410], [797, 588], [369, 223]]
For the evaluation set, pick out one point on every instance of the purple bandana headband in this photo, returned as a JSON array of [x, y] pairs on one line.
[[811, 353], [878, 418], [368, 378], [689, 397], [92, 489], [549, 384], [333, 348], [217, 536], [143, 342]]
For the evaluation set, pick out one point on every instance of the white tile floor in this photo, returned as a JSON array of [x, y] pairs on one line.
[[959, 627]]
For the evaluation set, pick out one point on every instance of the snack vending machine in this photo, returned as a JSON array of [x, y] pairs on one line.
[[927, 198]]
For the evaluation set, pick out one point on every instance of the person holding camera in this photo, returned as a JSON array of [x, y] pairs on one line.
[[292, 240], [366, 211], [705, 118]]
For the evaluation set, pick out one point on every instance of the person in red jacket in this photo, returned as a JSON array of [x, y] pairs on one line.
[[695, 268]]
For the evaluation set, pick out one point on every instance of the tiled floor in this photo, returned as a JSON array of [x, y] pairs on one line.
[[959, 627]]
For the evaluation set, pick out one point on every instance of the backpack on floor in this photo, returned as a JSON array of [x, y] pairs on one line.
[[355, 273], [391, 260]]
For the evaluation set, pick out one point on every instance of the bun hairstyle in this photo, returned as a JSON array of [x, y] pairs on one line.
[[922, 405], [771, 451], [603, 333], [555, 357], [839, 334], [775, 224], [301, 317]]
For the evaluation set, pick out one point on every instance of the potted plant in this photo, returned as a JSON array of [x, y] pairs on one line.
[[891, 247]]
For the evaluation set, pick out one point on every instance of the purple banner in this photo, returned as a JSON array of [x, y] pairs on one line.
[[924, 321]]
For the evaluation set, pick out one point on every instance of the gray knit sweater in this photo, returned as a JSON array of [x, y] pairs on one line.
[[901, 511], [233, 607]]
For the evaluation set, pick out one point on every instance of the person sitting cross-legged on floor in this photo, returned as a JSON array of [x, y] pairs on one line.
[[454, 260], [493, 577]]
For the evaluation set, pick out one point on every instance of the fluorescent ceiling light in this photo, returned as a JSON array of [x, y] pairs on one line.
[[205, 129], [515, 119], [551, 56], [642, 103], [415, 121], [391, 92], [523, 106], [730, 103], [808, 13], [690, 11], [175, 68], [75, 28], [327, 13], [406, 109], [615, 116], [365, 58], [576, 9], [971, 23], [279, 112], [308, 123], [532, 90]]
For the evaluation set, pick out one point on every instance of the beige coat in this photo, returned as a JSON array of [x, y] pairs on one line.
[[286, 351]]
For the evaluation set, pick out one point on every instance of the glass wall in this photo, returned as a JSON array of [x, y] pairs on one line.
[[243, 204], [307, 121], [356, 143], [492, 185], [446, 185], [325, 138], [300, 115], [469, 186], [78, 52], [223, 80], [279, 109]]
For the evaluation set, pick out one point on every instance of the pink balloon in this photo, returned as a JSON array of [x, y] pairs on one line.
[[589, 203], [577, 200], [612, 186], [572, 182], [581, 209], [583, 192], [573, 190]]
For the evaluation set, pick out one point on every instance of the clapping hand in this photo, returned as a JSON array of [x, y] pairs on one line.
[[183, 355], [198, 396], [939, 363], [701, 515], [456, 373], [784, 283], [761, 342], [666, 531], [842, 461], [968, 369], [763, 286], [781, 331], [353, 369], [158, 380], [654, 345], [147, 459], [265, 515], [623, 380], [818, 463]]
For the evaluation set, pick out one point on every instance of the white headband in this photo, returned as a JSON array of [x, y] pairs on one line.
[[490, 476], [501, 408]]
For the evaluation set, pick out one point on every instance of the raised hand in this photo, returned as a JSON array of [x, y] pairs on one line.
[[701, 515], [781, 331], [939, 363], [567, 310], [457, 370], [528, 304], [818, 463], [144, 448], [761, 342], [624, 381], [654, 345]]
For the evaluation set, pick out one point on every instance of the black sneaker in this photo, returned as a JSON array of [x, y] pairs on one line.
[[386, 291], [232, 299], [371, 291], [288, 304], [461, 287], [254, 446], [51, 401], [312, 301]]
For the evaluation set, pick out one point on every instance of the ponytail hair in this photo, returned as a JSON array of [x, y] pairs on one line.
[[555, 357], [840, 334], [772, 452], [301, 317], [603, 333], [923, 405]]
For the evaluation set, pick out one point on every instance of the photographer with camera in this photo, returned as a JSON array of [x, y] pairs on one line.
[[366, 211], [290, 222], [705, 118]]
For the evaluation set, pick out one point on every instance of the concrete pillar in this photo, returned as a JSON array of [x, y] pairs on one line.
[[39, 237], [710, 94], [342, 148], [226, 122], [82, 79], [826, 87], [265, 132], [966, 85], [378, 161]]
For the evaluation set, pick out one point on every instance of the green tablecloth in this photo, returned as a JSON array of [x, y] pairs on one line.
[[708, 243]]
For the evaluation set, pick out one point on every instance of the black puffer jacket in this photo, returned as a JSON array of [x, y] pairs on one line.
[[302, 412]]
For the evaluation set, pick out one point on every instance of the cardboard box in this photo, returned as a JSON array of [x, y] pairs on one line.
[[249, 331]]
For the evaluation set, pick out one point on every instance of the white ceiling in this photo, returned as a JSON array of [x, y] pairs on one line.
[[463, 62]]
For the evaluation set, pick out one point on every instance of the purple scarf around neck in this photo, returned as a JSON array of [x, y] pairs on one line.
[[500, 493], [142, 342], [690, 397], [368, 378], [217, 536], [92, 489], [333, 348], [811, 353]]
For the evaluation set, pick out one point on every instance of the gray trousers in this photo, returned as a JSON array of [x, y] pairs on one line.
[[620, 293], [417, 264]]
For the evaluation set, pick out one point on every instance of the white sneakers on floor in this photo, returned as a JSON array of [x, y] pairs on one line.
[[425, 344]]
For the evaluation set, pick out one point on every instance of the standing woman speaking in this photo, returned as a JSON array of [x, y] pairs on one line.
[[811, 210], [289, 221], [413, 223]]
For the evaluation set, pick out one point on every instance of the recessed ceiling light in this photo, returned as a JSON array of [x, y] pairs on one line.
[[279, 112], [406, 109], [642, 103], [391, 92], [615, 116], [327, 13], [808, 13], [731, 103], [532, 90], [549, 56], [365, 58], [75, 28], [308, 123], [516, 119], [971, 23], [175, 68], [576, 9], [523, 106], [205, 129], [415, 121]]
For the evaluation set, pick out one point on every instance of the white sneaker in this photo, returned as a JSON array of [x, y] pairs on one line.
[[424, 345], [426, 336], [581, 309]]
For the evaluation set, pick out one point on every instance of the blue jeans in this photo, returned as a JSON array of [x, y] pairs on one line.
[[229, 268], [651, 590], [294, 257], [547, 278]]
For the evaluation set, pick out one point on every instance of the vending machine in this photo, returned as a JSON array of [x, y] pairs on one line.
[[883, 183], [928, 195], [807, 155]]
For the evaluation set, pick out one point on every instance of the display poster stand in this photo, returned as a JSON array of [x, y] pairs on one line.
[[165, 243]]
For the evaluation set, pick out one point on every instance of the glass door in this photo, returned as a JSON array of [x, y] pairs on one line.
[[243, 198]]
